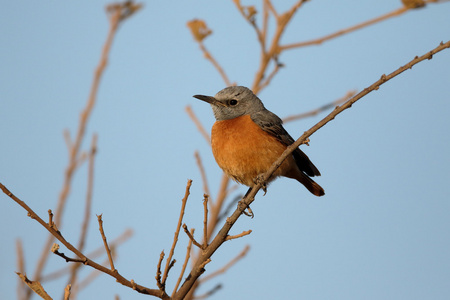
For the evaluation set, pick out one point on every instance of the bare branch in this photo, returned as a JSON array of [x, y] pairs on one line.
[[202, 173], [116, 15], [220, 238], [205, 221], [211, 292], [177, 231], [232, 237], [274, 49], [87, 210], [218, 203], [67, 292], [20, 267], [186, 260], [318, 41], [139, 288], [55, 249], [191, 237], [320, 109], [158, 272], [225, 268], [200, 31], [214, 62], [105, 242], [197, 123], [99, 251]]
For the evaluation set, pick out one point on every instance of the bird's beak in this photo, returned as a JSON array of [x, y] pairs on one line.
[[209, 99]]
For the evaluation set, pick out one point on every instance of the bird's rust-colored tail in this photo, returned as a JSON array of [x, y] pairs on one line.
[[310, 184]]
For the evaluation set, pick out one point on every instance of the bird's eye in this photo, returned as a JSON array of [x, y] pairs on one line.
[[233, 102]]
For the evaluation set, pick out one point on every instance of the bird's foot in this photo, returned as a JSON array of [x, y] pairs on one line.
[[246, 208], [260, 180], [248, 212]]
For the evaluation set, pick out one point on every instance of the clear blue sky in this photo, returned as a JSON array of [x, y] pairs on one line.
[[381, 232]]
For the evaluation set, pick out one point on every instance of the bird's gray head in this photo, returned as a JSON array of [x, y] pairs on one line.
[[233, 102]]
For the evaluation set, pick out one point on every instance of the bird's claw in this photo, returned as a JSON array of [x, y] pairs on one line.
[[260, 180], [249, 213]]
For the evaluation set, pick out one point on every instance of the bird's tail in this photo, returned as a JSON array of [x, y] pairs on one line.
[[310, 184]]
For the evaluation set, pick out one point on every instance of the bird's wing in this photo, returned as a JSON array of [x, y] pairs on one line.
[[272, 124]]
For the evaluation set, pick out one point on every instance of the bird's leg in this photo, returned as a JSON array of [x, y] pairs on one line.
[[260, 180], [250, 212]]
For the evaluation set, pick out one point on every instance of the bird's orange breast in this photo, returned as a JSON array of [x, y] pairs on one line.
[[243, 150]]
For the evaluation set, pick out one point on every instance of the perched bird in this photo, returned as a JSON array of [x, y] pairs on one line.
[[246, 140]]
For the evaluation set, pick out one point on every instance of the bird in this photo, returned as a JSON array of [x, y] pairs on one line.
[[247, 139]]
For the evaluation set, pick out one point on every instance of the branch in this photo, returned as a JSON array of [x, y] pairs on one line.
[[20, 267], [318, 41], [220, 238], [177, 232], [186, 260], [116, 14], [339, 109], [96, 253], [211, 292], [105, 243], [87, 211], [214, 62], [225, 268], [202, 173], [197, 123], [55, 249], [139, 288], [232, 237], [205, 221], [274, 50], [191, 237], [200, 31], [320, 109]]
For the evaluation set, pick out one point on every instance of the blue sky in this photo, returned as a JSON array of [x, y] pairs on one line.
[[381, 231]]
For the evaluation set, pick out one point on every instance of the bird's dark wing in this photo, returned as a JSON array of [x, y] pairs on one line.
[[272, 124]]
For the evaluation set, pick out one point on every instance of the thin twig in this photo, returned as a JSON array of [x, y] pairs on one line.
[[67, 292], [320, 109], [66, 258], [265, 23], [227, 210], [197, 123], [89, 279], [205, 221], [251, 19], [202, 173], [94, 254], [318, 41], [105, 242], [87, 210], [274, 49], [209, 293], [232, 237], [216, 207], [186, 260], [191, 237], [225, 268], [214, 62], [21, 268], [177, 232], [158, 272], [272, 74]]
